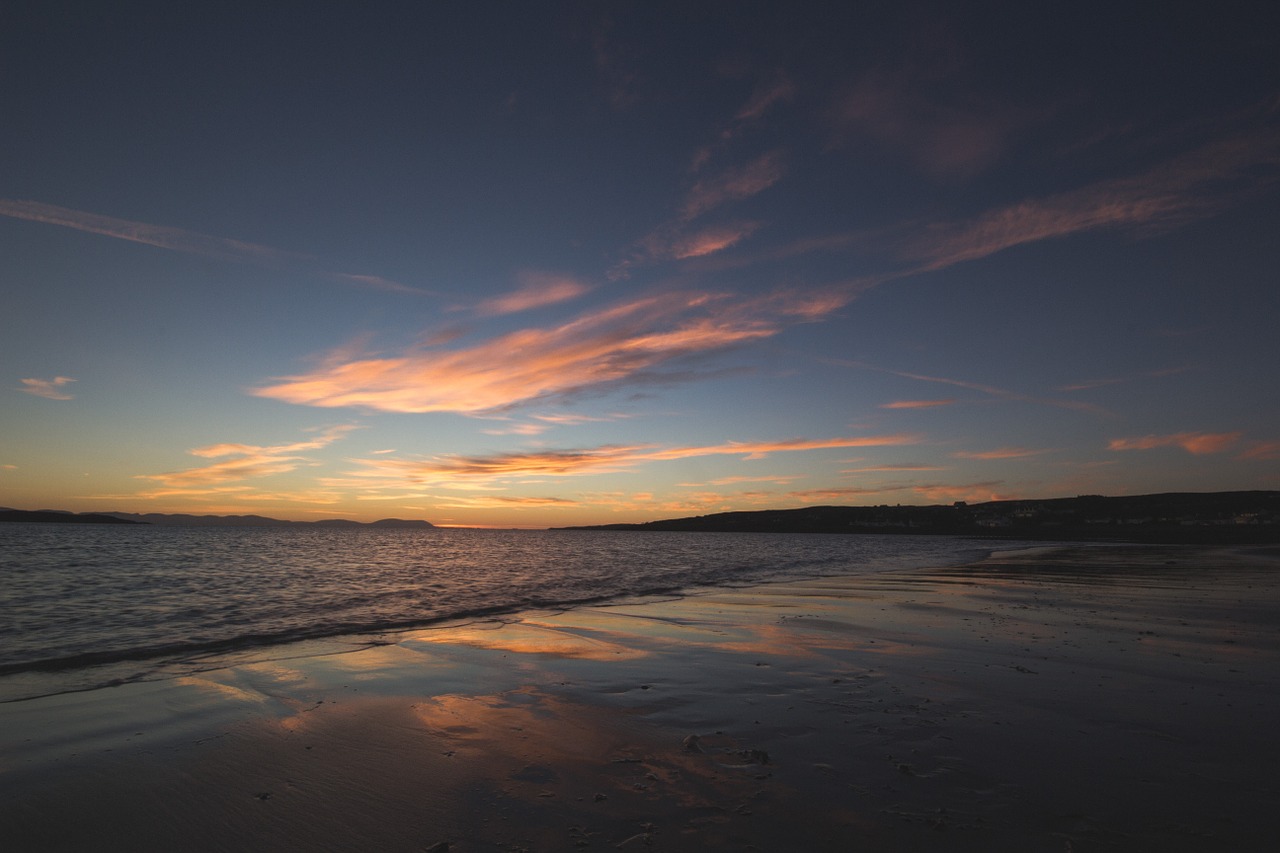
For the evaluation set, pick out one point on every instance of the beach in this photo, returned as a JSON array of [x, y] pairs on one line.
[[1067, 698]]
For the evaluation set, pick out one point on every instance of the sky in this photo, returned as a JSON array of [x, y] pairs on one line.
[[545, 264]]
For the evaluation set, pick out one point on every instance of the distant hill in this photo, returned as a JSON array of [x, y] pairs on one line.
[[53, 516], [183, 520], [1174, 517]]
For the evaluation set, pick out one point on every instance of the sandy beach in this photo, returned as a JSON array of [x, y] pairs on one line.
[[1064, 699]]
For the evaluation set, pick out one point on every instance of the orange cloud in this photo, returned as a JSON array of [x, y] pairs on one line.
[[1262, 450], [455, 471], [885, 468], [47, 388], [627, 342], [253, 461], [538, 290], [918, 404], [733, 185], [1000, 453], [1199, 443]]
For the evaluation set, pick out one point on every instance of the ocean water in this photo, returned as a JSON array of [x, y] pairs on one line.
[[85, 606]]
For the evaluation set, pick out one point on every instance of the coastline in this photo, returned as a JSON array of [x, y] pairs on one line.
[[1070, 697]]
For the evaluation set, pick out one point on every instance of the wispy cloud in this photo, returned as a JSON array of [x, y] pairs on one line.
[[765, 96], [1262, 450], [733, 481], [706, 242], [518, 429], [1199, 443], [504, 502], [573, 420], [454, 470], [247, 461], [537, 290], [892, 468], [1193, 186], [990, 390], [733, 185], [999, 453], [188, 242], [50, 389], [918, 404], [629, 342], [1090, 384]]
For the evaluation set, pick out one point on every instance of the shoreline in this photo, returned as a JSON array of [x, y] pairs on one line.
[[1074, 697]]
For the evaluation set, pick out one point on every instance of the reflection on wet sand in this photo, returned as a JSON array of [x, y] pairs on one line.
[[1017, 704]]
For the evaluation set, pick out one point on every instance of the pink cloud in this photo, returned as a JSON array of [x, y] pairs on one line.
[[50, 389], [626, 342], [1189, 187], [709, 241], [1199, 443], [537, 291], [1001, 453], [734, 185]]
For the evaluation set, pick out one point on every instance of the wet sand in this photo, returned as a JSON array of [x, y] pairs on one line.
[[1067, 699]]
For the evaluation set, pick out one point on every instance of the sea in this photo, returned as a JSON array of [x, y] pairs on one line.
[[86, 606]]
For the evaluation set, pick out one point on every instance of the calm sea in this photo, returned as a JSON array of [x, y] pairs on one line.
[[84, 606]]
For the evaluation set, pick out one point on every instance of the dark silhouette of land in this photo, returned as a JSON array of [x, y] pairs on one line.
[[182, 520], [53, 516], [1190, 517]]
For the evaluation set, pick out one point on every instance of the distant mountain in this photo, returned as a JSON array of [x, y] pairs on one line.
[[183, 520], [53, 516], [1175, 517]]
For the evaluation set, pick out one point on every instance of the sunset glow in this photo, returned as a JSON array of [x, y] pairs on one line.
[[558, 267]]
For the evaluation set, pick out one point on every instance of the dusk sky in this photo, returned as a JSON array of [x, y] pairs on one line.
[[539, 264]]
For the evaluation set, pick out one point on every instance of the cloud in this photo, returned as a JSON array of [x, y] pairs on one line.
[[918, 404], [990, 390], [1262, 450], [838, 494], [944, 139], [47, 388], [1001, 453], [573, 420], [1193, 186], [537, 291], [708, 241], [733, 185], [1090, 384], [885, 468], [518, 429], [764, 97], [628, 342], [250, 461], [497, 502], [733, 481], [181, 240], [1199, 443], [608, 459]]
